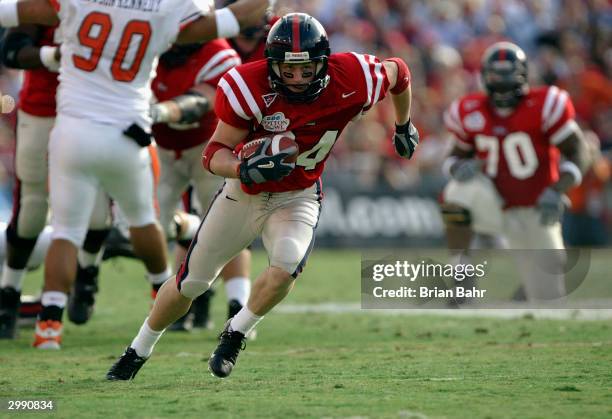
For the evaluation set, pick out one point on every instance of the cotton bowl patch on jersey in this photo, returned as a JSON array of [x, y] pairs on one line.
[[279, 144]]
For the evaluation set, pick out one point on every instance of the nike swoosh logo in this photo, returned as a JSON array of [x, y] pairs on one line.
[[345, 95], [268, 165]]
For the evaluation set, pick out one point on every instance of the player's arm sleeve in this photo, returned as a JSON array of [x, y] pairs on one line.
[[221, 61], [452, 122], [558, 116], [230, 106], [373, 79]]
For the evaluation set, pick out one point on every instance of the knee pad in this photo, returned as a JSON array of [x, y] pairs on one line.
[[480, 198], [194, 287], [33, 209], [289, 254]]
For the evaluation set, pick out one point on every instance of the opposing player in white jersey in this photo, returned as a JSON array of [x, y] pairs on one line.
[[109, 55]]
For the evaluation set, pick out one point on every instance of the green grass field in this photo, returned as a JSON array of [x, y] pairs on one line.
[[319, 365]]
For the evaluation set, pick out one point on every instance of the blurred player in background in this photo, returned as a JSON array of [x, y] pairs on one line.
[[184, 120], [108, 57], [506, 173], [250, 44], [301, 92], [32, 48]]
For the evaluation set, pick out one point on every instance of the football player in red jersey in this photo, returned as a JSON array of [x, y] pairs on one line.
[[32, 48], [187, 76], [506, 172], [299, 91]]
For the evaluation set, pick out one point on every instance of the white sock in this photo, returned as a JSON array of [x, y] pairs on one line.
[[12, 277], [245, 320], [145, 340], [238, 288], [87, 259], [160, 278], [54, 298]]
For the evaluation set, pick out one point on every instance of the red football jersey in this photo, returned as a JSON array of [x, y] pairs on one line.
[[519, 150], [207, 65], [37, 96], [245, 100]]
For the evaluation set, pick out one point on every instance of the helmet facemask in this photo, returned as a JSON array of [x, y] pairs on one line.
[[312, 89], [504, 75]]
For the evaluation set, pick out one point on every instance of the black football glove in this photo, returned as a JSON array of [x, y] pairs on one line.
[[260, 168], [405, 139], [551, 205]]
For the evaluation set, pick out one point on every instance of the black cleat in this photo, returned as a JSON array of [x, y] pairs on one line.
[[224, 358], [82, 298], [126, 367], [201, 311], [9, 311]]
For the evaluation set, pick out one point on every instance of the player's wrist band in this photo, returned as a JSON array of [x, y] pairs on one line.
[[8, 13], [227, 24], [571, 168], [47, 57], [209, 151], [403, 76]]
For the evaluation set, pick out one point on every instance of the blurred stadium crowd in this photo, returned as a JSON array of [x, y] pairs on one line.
[[568, 42]]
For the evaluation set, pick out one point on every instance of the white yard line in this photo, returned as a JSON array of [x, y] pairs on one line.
[[519, 311]]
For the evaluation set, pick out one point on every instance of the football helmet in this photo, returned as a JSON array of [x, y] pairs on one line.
[[504, 74], [298, 38]]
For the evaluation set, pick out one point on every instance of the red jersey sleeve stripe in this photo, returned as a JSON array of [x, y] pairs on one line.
[[375, 69], [246, 93], [549, 101], [557, 111], [220, 57], [221, 69], [233, 100], [570, 127], [368, 77]]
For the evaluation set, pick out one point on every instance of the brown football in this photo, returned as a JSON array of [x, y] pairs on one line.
[[280, 144]]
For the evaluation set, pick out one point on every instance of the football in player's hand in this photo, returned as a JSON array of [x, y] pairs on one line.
[[277, 144]]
